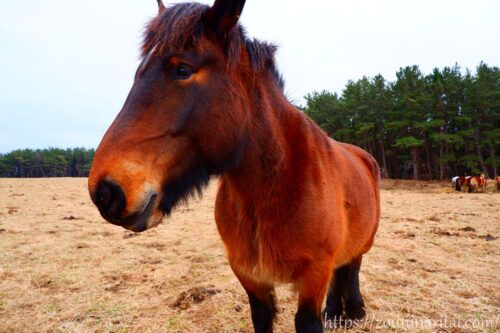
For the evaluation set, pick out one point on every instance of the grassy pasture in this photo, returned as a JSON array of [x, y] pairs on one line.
[[62, 269]]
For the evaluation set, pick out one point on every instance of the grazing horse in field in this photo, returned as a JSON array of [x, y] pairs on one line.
[[293, 205], [477, 182], [473, 185]]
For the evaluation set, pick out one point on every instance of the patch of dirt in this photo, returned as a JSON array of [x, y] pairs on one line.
[[488, 237], [12, 210], [71, 218], [154, 245], [194, 295], [441, 232], [41, 281], [405, 234], [128, 235]]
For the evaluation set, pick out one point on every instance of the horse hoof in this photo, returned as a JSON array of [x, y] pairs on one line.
[[355, 311], [332, 318], [332, 313]]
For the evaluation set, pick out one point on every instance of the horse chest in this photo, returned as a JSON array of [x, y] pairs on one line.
[[253, 245], [262, 248]]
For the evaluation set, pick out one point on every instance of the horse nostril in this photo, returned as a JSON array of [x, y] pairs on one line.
[[109, 198]]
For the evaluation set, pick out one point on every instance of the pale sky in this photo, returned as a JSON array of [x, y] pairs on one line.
[[66, 66]]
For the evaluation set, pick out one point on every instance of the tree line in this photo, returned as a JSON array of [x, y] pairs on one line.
[[52, 162], [431, 126]]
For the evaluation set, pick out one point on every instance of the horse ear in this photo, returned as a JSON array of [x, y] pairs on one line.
[[161, 7], [224, 15]]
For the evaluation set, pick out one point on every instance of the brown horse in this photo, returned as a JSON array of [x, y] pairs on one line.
[[459, 181], [497, 180], [293, 205], [477, 182]]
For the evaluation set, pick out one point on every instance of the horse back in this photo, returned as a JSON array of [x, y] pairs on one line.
[[362, 159]]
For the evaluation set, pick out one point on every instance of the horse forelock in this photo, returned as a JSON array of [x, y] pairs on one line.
[[180, 27], [177, 27]]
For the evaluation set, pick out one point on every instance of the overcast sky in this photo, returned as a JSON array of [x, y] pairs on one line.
[[66, 66]]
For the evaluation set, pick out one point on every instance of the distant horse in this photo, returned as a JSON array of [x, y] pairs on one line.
[[458, 181], [477, 182], [293, 205], [464, 181]]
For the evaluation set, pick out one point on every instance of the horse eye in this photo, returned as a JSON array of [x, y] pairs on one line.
[[183, 72]]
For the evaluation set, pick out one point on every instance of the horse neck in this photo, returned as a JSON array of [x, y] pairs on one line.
[[270, 154]]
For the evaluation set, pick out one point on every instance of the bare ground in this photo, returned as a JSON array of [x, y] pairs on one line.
[[63, 269]]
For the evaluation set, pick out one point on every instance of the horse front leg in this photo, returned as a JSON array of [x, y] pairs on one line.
[[262, 303], [312, 290]]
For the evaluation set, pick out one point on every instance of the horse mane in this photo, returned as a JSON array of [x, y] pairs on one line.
[[180, 26]]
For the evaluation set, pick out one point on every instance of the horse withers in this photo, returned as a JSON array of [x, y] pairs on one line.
[[293, 206]]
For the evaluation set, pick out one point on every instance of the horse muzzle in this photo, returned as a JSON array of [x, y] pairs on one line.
[[110, 200]]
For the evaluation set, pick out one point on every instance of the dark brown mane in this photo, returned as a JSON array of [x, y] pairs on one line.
[[181, 26]]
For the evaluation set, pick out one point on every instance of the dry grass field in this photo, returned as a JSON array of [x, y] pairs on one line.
[[63, 269]]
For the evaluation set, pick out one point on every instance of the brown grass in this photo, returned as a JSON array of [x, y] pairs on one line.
[[62, 269]]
